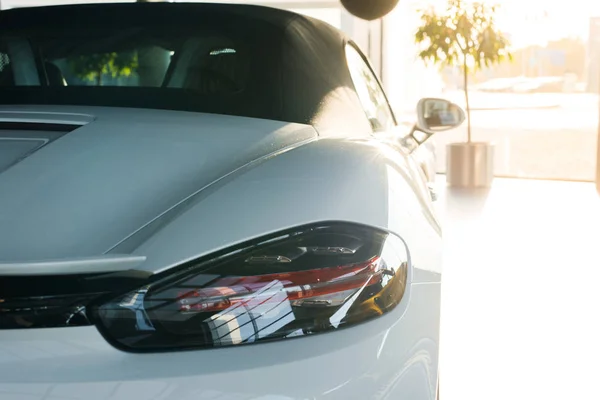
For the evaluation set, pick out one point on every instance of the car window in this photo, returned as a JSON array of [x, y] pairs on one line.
[[5, 75], [209, 64], [210, 58], [216, 63], [369, 91]]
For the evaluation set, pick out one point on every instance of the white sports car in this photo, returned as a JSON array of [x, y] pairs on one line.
[[204, 201]]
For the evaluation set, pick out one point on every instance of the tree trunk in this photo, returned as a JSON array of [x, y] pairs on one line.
[[99, 78], [468, 107]]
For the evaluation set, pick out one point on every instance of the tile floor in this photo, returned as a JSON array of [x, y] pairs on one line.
[[521, 294]]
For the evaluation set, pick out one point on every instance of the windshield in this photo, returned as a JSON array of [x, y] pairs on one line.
[[220, 63]]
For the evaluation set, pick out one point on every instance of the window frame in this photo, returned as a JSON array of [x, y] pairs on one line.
[[354, 47]]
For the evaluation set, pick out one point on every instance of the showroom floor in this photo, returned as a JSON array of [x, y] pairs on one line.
[[521, 302]]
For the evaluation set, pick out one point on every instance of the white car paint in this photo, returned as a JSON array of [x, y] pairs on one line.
[[286, 171], [424, 155], [160, 157], [305, 180], [392, 357], [156, 188]]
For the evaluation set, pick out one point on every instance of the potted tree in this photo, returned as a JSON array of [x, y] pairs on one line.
[[464, 34]]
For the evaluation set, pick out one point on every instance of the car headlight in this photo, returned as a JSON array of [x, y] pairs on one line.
[[303, 281]]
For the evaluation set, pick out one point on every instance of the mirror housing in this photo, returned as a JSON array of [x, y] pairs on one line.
[[433, 115], [438, 115]]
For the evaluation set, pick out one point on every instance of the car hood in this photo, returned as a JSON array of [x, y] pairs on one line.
[[76, 181]]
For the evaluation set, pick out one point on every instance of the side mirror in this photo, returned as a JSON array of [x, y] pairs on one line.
[[433, 115], [437, 115]]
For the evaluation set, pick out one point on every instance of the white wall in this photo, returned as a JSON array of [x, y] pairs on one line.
[[406, 78]]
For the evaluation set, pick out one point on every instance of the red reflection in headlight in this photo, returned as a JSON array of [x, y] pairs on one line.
[[302, 285]]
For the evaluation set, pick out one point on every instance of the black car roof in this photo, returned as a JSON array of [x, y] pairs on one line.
[[313, 83], [55, 15]]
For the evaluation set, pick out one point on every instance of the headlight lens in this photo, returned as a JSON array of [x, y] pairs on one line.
[[304, 281]]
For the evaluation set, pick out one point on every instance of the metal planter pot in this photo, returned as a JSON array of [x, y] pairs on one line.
[[470, 165]]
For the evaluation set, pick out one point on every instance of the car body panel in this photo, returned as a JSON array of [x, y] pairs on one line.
[[425, 154], [154, 201], [132, 181], [127, 167], [392, 357], [310, 183], [389, 357]]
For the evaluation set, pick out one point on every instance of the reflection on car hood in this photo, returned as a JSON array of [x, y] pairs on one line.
[[85, 190]]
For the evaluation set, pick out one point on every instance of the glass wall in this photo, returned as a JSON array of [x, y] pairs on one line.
[[541, 110], [406, 78]]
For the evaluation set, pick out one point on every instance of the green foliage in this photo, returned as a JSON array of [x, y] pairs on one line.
[[464, 34], [93, 67]]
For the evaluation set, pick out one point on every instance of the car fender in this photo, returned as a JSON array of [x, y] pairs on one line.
[[363, 182]]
